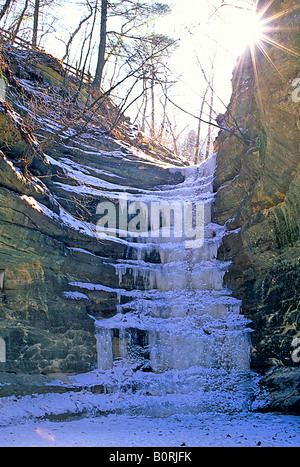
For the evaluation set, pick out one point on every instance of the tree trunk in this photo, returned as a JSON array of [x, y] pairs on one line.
[[209, 135], [102, 47], [145, 106], [174, 138], [163, 123], [88, 50], [5, 8], [196, 157], [76, 31], [17, 28], [35, 22], [152, 129]]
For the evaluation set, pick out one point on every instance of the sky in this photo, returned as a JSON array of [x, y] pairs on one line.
[[204, 34]]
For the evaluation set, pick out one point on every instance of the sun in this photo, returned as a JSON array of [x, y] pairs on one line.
[[250, 31], [258, 34], [239, 29], [253, 29], [246, 29]]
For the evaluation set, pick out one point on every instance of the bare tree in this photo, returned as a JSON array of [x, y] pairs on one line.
[[76, 31], [211, 106], [159, 48], [15, 31], [137, 13], [35, 22], [197, 148], [102, 46], [20, 15], [5, 8], [145, 99]]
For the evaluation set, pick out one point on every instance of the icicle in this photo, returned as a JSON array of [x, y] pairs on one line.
[[104, 348]]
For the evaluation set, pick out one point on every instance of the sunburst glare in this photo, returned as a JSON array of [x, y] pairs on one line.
[[249, 30], [258, 34]]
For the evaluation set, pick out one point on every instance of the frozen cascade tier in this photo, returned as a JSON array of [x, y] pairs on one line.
[[178, 334]]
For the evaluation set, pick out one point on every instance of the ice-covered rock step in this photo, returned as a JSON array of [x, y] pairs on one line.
[[194, 390], [184, 191], [135, 299], [169, 254], [207, 252], [193, 174], [184, 276], [130, 380], [178, 325], [166, 250], [174, 343], [173, 276], [167, 304], [163, 237]]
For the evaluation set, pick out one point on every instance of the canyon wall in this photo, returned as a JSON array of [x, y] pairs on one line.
[[257, 197], [49, 192]]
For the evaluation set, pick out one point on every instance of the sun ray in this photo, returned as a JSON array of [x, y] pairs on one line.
[[255, 69], [262, 11], [260, 34], [268, 58], [278, 15], [238, 72], [279, 46]]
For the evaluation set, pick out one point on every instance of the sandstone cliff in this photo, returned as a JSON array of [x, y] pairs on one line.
[[48, 197], [257, 196]]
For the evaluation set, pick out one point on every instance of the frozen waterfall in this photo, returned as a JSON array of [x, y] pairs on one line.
[[178, 335]]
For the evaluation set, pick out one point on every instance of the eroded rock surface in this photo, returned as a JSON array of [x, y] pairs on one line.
[[257, 195], [57, 163]]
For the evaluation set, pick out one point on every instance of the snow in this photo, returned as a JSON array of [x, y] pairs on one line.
[[120, 419], [81, 250], [122, 430], [76, 224], [33, 203], [13, 168], [90, 286], [64, 217], [76, 296], [81, 173]]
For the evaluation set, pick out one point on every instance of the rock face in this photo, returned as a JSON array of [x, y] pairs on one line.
[[257, 196], [48, 197]]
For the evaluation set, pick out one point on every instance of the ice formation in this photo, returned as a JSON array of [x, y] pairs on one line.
[[178, 330]]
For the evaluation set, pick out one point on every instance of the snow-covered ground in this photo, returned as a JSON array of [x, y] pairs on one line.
[[213, 430], [119, 420]]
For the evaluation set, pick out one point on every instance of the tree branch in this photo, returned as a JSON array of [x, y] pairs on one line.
[[241, 139]]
